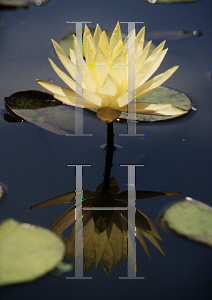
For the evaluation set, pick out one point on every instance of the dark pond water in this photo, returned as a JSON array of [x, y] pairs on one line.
[[176, 154]]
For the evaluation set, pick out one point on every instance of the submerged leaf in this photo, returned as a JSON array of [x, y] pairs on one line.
[[190, 218], [172, 35], [21, 3], [27, 252], [168, 1]]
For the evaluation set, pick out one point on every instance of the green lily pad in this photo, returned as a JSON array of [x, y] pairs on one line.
[[41, 109], [21, 3], [190, 218], [27, 252], [162, 95], [68, 42], [168, 1]]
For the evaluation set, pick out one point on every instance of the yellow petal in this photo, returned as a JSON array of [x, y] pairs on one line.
[[68, 97], [154, 82], [140, 59], [117, 49], [103, 45], [67, 63], [143, 77], [70, 82], [72, 52], [155, 109], [108, 90], [115, 37], [121, 101], [107, 114], [87, 79], [140, 41], [101, 72], [89, 46], [118, 71], [154, 59], [129, 42], [97, 35], [54, 88]]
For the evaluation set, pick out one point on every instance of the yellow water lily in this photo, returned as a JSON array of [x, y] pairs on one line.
[[104, 77]]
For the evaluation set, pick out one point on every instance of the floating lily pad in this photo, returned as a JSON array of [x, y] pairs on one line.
[[168, 1], [68, 42], [21, 3], [172, 35], [190, 218], [27, 252], [41, 109], [162, 95]]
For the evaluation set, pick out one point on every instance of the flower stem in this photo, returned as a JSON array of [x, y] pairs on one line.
[[109, 157]]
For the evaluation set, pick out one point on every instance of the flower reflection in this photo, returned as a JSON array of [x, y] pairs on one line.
[[105, 75], [104, 231]]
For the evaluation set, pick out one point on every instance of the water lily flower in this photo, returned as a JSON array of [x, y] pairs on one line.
[[105, 75]]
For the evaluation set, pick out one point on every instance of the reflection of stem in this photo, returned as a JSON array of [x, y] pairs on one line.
[[108, 157]]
